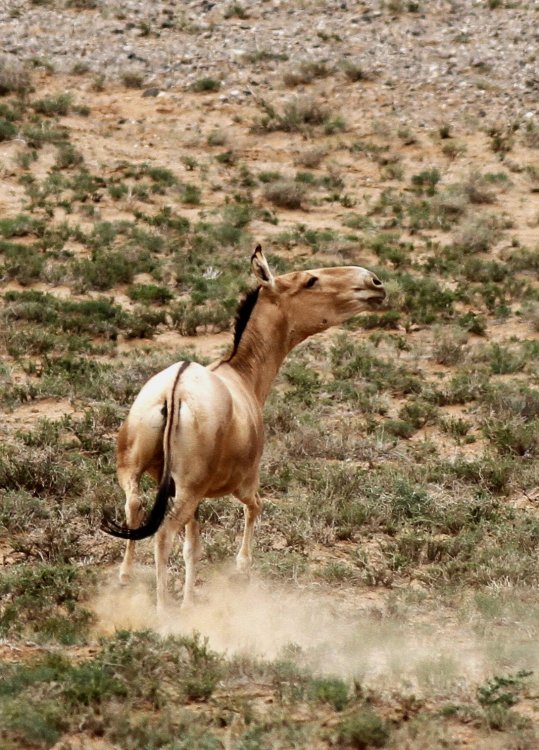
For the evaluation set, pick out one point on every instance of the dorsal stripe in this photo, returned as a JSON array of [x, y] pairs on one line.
[[243, 315]]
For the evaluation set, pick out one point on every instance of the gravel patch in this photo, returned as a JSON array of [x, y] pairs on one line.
[[458, 57]]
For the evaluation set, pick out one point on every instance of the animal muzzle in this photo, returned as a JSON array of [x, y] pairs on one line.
[[378, 292]]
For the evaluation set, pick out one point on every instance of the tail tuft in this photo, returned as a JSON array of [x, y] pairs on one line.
[[153, 520]]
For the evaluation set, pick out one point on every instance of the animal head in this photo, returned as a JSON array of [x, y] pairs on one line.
[[317, 299]]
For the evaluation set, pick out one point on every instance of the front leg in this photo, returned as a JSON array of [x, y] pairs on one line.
[[252, 508]]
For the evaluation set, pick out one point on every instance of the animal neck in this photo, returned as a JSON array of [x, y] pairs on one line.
[[262, 348]]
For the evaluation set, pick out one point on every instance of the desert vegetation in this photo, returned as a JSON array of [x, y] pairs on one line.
[[393, 601]]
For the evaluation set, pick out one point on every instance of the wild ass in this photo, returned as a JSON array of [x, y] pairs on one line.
[[198, 430]]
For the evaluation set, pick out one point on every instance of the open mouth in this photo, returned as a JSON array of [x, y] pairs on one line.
[[376, 301]]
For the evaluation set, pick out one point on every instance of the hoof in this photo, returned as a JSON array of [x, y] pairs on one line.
[[125, 579]]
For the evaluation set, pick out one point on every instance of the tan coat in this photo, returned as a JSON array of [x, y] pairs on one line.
[[199, 431]]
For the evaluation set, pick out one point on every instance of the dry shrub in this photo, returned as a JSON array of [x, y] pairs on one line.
[[311, 158], [286, 194], [531, 314], [476, 189], [132, 79], [477, 234], [82, 4], [530, 137], [355, 72], [14, 78], [298, 115], [305, 73], [449, 345], [450, 204]]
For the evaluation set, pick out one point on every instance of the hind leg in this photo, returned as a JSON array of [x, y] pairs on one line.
[[192, 552], [129, 482], [138, 450], [181, 515], [252, 507], [164, 539]]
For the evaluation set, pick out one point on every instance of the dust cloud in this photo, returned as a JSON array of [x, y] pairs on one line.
[[421, 649]]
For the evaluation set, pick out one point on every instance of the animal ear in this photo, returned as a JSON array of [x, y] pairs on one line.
[[261, 269]]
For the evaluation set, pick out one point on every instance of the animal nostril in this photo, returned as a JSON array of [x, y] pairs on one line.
[[376, 281]]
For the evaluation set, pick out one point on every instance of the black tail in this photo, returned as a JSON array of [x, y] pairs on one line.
[[153, 520], [167, 487]]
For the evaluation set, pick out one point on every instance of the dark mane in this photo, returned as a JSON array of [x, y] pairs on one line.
[[243, 315]]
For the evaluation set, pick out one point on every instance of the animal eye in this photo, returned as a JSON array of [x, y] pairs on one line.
[[312, 281]]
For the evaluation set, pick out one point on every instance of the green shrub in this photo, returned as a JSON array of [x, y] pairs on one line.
[[229, 158], [492, 474], [68, 156], [387, 319], [188, 317], [480, 271], [92, 684], [149, 293], [388, 247], [21, 225], [359, 361], [191, 194], [449, 346], [355, 72], [19, 509], [334, 498], [36, 726], [53, 105], [8, 131], [419, 412], [466, 384], [362, 730], [44, 601], [502, 690], [105, 270], [427, 180], [473, 323], [425, 300], [40, 472], [329, 690], [38, 134], [96, 317], [513, 436], [513, 399], [297, 115], [398, 428], [82, 4], [22, 262], [203, 85]]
